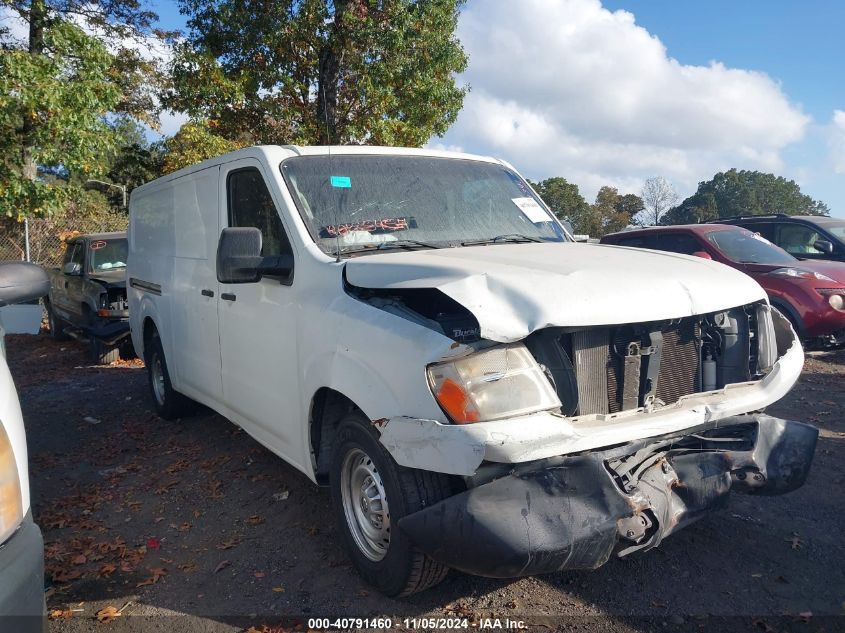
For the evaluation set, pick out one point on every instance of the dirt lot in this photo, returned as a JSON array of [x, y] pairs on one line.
[[193, 526]]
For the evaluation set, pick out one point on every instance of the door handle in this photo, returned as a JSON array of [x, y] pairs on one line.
[[207, 293], [228, 296]]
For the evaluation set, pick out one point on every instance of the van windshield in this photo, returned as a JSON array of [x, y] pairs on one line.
[[362, 203]]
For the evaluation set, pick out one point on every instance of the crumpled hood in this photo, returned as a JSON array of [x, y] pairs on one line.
[[515, 289]]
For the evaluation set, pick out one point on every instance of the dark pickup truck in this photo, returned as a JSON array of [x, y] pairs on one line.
[[88, 295]]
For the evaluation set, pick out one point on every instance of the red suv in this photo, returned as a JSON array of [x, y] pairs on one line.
[[810, 294]]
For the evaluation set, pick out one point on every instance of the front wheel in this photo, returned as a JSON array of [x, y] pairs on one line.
[[370, 494]]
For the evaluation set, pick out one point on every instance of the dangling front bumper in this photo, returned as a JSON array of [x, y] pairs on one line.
[[575, 511]]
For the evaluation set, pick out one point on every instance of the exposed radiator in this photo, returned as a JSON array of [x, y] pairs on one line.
[[590, 349], [608, 370], [679, 367]]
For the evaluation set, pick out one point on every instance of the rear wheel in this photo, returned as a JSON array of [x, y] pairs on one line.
[[57, 326], [169, 403], [103, 354], [370, 494]]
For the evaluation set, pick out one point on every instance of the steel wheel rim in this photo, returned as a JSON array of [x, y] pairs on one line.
[[157, 375], [365, 504]]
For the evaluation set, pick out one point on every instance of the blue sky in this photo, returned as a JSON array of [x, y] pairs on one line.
[[800, 44], [616, 91]]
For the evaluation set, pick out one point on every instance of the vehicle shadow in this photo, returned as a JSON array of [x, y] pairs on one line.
[[196, 518]]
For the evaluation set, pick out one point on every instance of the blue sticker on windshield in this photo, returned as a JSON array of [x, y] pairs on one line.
[[343, 182]]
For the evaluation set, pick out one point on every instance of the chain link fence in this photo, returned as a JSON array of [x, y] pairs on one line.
[[42, 240]]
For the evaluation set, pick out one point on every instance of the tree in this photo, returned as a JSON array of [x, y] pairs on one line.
[[320, 71], [658, 196], [565, 201], [194, 142], [612, 212], [740, 192], [57, 87]]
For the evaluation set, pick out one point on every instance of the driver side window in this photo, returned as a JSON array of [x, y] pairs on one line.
[[250, 204]]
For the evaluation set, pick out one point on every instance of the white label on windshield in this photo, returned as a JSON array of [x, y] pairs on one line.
[[532, 210], [757, 236]]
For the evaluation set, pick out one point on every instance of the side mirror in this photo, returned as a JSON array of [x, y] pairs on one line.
[[824, 246], [72, 268], [239, 259], [702, 254], [21, 282]]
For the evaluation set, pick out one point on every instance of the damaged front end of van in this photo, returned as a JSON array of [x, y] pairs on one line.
[[574, 441]]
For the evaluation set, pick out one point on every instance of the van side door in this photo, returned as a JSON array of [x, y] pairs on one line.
[[258, 322], [196, 343]]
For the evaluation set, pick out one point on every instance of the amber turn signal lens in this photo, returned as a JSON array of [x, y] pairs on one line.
[[455, 401]]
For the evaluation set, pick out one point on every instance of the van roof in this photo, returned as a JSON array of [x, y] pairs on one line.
[[277, 153]]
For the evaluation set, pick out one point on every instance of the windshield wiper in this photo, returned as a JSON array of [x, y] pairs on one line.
[[406, 244], [515, 238]]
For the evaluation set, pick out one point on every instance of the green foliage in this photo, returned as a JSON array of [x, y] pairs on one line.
[[734, 192], [194, 142], [317, 71], [63, 97], [135, 160], [565, 201], [611, 211]]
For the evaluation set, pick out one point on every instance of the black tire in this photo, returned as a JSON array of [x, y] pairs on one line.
[[57, 326], [102, 354], [169, 403], [127, 350], [404, 569]]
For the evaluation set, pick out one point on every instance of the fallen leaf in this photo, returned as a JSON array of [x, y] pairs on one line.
[[55, 614], [313, 530], [106, 570], [80, 560], [278, 589], [511, 604], [158, 572], [222, 565], [255, 519], [107, 614], [259, 574], [228, 544], [794, 541]]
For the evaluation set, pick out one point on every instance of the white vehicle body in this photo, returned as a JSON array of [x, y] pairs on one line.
[[263, 354], [22, 604]]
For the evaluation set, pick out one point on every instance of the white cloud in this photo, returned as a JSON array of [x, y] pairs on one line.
[[837, 141], [18, 29], [566, 87]]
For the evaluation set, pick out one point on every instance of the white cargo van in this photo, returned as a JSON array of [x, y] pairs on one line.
[[416, 330]]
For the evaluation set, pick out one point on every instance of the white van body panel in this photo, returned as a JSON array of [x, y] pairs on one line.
[[260, 359], [12, 421]]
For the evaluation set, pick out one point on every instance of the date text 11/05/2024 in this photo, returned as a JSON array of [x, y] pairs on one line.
[[416, 623]]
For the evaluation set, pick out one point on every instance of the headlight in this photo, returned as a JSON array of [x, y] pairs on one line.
[[767, 350], [800, 274], [496, 383], [834, 297], [11, 503]]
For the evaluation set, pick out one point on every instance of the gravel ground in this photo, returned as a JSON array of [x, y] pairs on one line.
[[193, 526]]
